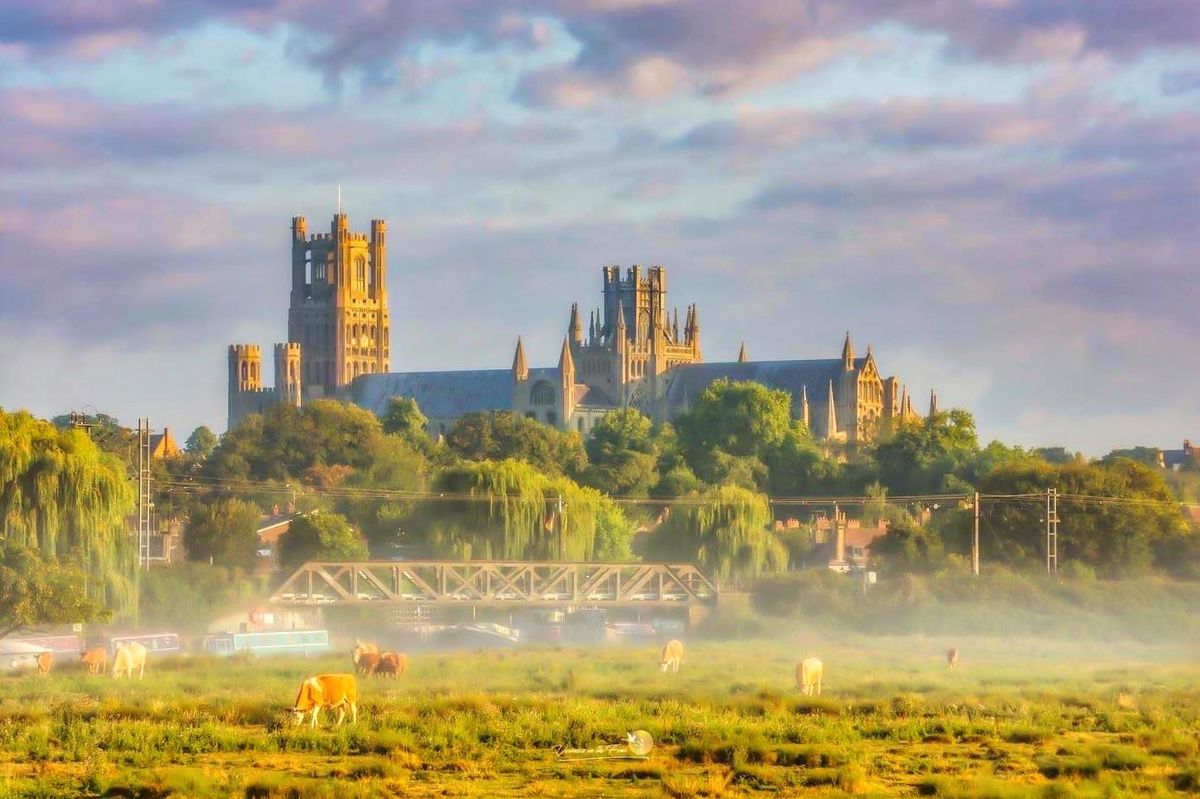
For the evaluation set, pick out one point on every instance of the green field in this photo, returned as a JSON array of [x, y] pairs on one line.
[[1021, 717]]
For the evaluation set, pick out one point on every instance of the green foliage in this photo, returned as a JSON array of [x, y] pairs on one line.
[[504, 435], [397, 466], [1148, 456], [622, 455], [201, 442], [36, 590], [320, 536], [403, 418], [726, 531], [908, 549], [521, 518], [223, 532], [1138, 522], [61, 494], [185, 597], [298, 444], [924, 454], [738, 419]]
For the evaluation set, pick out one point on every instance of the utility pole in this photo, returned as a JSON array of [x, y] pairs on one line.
[[1051, 530], [975, 539], [144, 504]]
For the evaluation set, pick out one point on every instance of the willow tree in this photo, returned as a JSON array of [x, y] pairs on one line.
[[508, 509], [63, 496], [726, 531]]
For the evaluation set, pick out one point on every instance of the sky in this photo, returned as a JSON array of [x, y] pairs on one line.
[[1001, 197]]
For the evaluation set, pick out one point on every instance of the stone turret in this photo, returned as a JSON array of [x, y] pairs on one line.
[[933, 403], [574, 326], [848, 354], [805, 415], [831, 423]]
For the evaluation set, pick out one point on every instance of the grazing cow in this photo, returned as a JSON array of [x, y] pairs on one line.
[[44, 661], [95, 659], [392, 664], [333, 691], [952, 658], [364, 648], [130, 657], [672, 655], [367, 663], [808, 676]]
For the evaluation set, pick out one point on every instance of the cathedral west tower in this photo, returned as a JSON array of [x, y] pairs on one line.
[[338, 312]]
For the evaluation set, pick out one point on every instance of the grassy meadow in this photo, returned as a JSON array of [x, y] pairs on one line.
[[1020, 717]]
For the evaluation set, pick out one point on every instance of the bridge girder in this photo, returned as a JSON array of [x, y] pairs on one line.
[[501, 583]]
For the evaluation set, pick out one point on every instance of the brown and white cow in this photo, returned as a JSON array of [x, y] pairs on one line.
[[130, 657], [95, 660], [333, 691], [45, 660], [672, 655], [392, 664], [808, 676], [364, 648]]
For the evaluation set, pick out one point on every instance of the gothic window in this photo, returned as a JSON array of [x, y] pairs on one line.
[[542, 394], [360, 274], [245, 371], [579, 424]]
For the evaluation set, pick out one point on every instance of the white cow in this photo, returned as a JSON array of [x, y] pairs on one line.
[[130, 657], [808, 676]]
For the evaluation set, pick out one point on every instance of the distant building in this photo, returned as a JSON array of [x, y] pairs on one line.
[[163, 445], [633, 352], [1178, 458]]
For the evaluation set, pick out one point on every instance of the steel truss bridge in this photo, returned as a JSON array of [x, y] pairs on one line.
[[499, 583]]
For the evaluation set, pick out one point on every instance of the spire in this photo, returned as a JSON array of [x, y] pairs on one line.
[[520, 367], [831, 426], [804, 415], [905, 403], [592, 327], [742, 354], [848, 354], [574, 326], [675, 327], [933, 403], [566, 364]]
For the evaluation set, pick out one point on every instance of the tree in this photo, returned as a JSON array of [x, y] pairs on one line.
[[201, 443], [1134, 523], [621, 454], [35, 591], [511, 510], [320, 536], [928, 455], [223, 532], [64, 496], [501, 435], [285, 443], [397, 467], [742, 419], [726, 532], [907, 548], [403, 418]]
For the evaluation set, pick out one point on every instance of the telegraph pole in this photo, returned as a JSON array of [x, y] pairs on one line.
[[975, 539], [1051, 531], [144, 504]]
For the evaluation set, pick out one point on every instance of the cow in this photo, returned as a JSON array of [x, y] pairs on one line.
[[672, 655], [129, 658], [808, 676], [392, 664], [364, 648], [367, 663], [95, 660], [333, 691], [44, 661], [952, 658]]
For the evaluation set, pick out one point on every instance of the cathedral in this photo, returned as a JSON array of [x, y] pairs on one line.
[[632, 353]]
